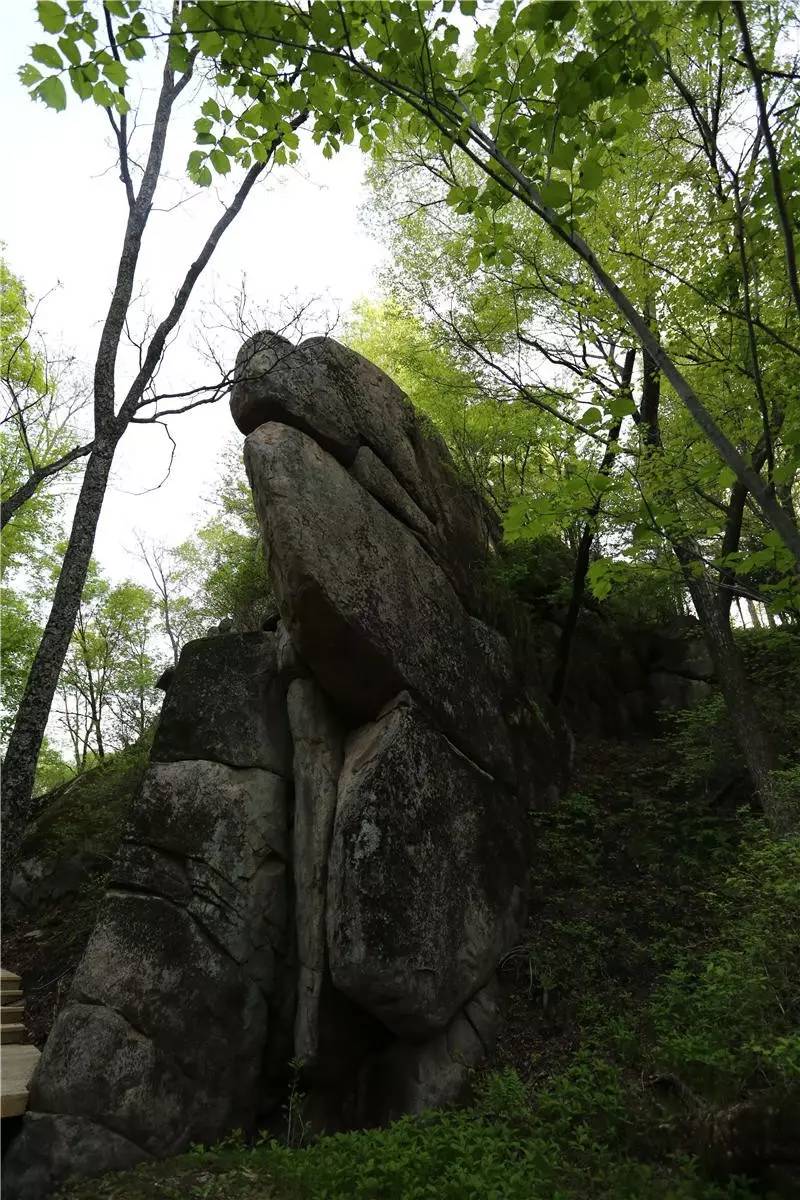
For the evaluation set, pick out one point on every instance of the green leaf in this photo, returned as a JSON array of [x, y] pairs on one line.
[[621, 405], [592, 416], [210, 43], [29, 75], [70, 51], [102, 94], [726, 478], [591, 174], [80, 84], [220, 162], [563, 155], [52, 92], [47, 55], [52, 17], [133, 50], [116, 72], [555, 193]]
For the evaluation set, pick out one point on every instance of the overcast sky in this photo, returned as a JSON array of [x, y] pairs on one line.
[[62, 212]]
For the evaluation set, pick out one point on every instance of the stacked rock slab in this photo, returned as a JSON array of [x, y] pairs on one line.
[[374, 547], [172, 1010], [328, 856]]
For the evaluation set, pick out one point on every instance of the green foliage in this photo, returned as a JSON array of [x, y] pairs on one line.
[[52, 769], [538, 572], [648, 592], [87, 813], [701, 739], [569, 1144], [728, 1021]]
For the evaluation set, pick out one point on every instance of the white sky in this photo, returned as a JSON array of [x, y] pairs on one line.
[[61, 217]]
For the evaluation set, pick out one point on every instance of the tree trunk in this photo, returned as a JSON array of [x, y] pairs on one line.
[[19, 767], [585, 550], [747, 722], [714, 617]]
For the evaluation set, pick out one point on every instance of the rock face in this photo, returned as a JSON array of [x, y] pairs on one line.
[[328, 854], [423, 902]]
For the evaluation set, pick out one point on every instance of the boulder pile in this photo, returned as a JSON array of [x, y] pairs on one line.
[[329, 852]]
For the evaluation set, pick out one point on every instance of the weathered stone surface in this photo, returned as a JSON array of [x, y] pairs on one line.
[[215, 840], [683, 654], [39, 881], [331, 393], [52, 1147], [379, 481], [290, 664], [317, 763], [370, 613], [226, 704], [409, 1078], [427, 875], [676, 691], [163, 1036], [358, 414]]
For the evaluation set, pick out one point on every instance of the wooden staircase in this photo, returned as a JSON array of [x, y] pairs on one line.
[[18, 1059]]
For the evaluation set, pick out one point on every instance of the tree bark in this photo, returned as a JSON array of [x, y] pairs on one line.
[[748, 725], [19, 767], [27, 489]]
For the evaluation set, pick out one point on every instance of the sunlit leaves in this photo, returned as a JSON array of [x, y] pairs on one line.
[[220, 161], [47, 55], [52, 17], [555, 193], [52, 92]]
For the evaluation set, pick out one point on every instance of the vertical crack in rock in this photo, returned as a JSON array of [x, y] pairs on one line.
[[317, 763]]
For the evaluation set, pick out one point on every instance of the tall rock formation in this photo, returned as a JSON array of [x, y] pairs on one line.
[[329, 853]]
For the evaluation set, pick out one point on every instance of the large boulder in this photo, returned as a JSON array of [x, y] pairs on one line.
[[370, 612], [169, 1020], [330, 392], [328, 854], [360, 416], [226, 704], [427, 875]]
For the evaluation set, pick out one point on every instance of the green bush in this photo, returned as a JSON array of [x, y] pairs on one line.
[[728, 1021]]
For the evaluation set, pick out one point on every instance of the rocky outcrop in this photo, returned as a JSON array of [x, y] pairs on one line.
[[163, 1037], [328, 855], [427, 874]]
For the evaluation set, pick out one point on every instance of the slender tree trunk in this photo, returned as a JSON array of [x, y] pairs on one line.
[[585, 550], [748, 724], [19, 767]]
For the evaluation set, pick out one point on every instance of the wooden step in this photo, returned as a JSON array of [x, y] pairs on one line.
[[12, 998], [19, 1063], [5, 975], [12, 1034], [11, 1014]]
